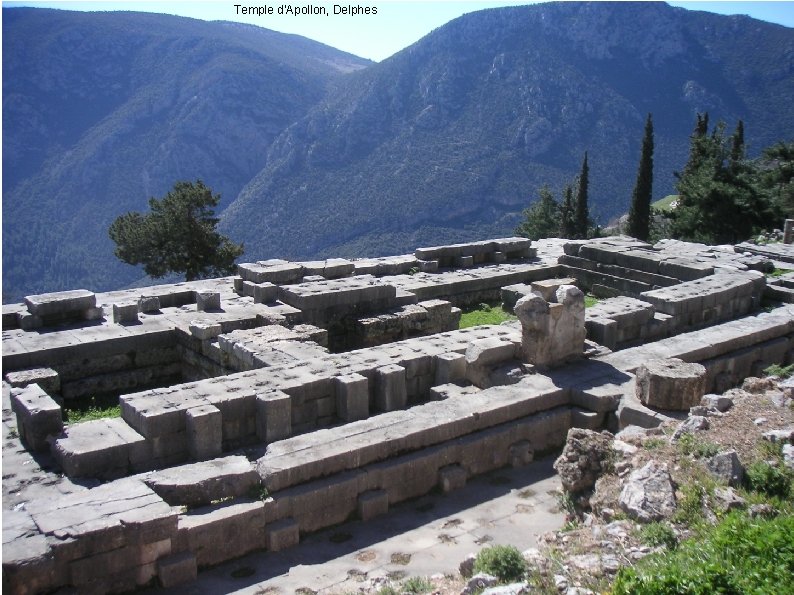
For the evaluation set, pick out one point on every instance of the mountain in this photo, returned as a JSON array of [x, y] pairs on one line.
[[451, 138], [103, 110], [320, 153]]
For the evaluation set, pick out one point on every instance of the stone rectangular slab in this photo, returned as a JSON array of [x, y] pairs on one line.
[[60, 303], [198, 484]]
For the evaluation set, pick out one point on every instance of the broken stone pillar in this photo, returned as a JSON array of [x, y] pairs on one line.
[[552, 332], [788, 231], [670, 384]]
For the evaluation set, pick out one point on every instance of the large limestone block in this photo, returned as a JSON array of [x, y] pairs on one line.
[[204, 428], [60, 303], [390, 388], [198, 484], [38, 415], [352, 397], [670, 384], [273, 416]]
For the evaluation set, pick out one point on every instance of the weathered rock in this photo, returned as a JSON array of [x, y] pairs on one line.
[[788, 455], [584, 458], [727, 467], [511, 589], [479, 582], [670, 384], [763, 511], [727, 499], [785, 436], [719, 402], [691, 425], [648, 494], [757, 385]]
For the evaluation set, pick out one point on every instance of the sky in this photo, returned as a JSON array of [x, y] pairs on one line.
[[397, 24]]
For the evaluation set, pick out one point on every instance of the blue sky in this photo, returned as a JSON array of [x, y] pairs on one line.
[[397, 24]]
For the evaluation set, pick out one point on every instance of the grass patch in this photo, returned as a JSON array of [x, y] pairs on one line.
[[779, 371], [654, 534], [779, 272], [417, 584], [665, 204], [484, 314], [590, 300], [689, 444], [90, 410], [738, 555]]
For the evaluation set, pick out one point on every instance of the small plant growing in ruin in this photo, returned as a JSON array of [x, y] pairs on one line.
[[504, 562], [417, 585]]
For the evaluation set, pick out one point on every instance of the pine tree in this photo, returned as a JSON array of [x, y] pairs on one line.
[[177, 236], [582, 212], [542, 219], [640, 212], [567, 224]]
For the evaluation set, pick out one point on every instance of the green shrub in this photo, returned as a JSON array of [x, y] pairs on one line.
[[779, 371], [654, 534], [739, 555], [417, 584], [690, 444], [772, 480], [504, 562]]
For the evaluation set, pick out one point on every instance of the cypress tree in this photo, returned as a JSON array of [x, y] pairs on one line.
[[737, 145], [567, 225], [582, 212], [639, 225]]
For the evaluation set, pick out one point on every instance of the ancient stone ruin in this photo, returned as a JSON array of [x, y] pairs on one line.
[[297, 395]]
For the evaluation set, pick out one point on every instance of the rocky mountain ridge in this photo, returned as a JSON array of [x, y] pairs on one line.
[[317, 152]]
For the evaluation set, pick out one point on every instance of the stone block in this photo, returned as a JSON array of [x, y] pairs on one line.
[[60, 303], [47, 378], [428, 266], [670, 384], [390, 388], [547, 288], [177, 569], [265, 293], [199, 484], [521, 454], [281, 535], [38, 416], [204, 428], [450, 367], [372, 503], [224, 531], [489, 352], [451, 477], [464, 262], [125, 313], [207, 301], [205, 330], [148, 304], [273, 416], [352, 397]]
